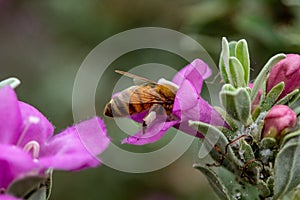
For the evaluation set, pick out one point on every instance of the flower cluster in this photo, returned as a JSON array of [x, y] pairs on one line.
[[254, 137]]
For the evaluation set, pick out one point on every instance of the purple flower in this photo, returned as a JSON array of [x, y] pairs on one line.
[[278, 119], [188, 105], [288, 71], [28, 147]]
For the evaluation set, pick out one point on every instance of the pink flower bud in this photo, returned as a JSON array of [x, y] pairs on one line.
[[288, 71], [278, 120]]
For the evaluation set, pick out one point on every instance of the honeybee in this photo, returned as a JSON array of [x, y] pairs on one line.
[[146, 96]]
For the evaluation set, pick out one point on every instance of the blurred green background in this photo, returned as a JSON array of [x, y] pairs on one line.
[[43, 43]]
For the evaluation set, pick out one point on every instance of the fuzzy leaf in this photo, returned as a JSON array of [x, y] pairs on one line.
[[263, 188], [237, 104], [227, 118], [232, 46], [215, 182], [290, 98], [247, 150], [214, 136], [228, 87], [226, 186], [264, 73], [242, 54], [272, 96], [287, 167], [236, 73], [40, 194], [224, 60], [21, 188], [13, 82]]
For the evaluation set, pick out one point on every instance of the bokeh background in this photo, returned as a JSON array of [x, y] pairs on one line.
[[43, 43]]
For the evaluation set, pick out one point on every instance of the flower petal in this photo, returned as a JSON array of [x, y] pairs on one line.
[[195, 72], [153, 132], [14, 163], [10, 118], [76, 147], [35, 125], [8, 197], [186, 97]]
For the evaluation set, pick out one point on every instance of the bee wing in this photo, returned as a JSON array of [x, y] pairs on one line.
[[138, 80], [141, 95]]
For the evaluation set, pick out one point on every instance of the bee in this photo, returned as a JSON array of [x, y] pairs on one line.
[[145, 96]]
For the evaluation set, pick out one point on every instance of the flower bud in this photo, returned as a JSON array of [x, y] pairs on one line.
[[288, 71], [278, 121]]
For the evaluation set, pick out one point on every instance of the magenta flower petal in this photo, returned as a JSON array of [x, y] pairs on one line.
[[8, 197], [14, 163], [68, 151], [288, 71], [186, 97], [36, 126], [195, 72], [10, 116], [188, 105], [152, 133], [93, 136]]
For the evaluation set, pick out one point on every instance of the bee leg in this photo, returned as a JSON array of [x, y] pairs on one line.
[[144, 126], [148, 120]]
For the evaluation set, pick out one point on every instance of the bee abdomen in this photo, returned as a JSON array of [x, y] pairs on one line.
[[116, 108]]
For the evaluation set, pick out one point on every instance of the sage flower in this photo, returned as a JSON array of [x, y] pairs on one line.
[[188, 105], [28, 146]]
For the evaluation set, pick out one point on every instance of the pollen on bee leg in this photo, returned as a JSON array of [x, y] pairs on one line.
[[150, 118], [33, 147]]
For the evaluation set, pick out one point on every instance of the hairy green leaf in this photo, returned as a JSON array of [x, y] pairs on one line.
[[236, 73], [272, 96], [242, 54]]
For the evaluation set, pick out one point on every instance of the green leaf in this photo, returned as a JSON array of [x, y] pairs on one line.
[[242, 54], [40, 194], [236, 73], [290, 98], [272, 96], [228, 87], [287, 167], [247, 150], [215, 182], [48, 183], [27, 185], [263, 188], [237, 104], [13, 82], [224, 60], [232, 46], [288, 137], [226, 186], [264, 73], [214, 136], [227, 118]]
